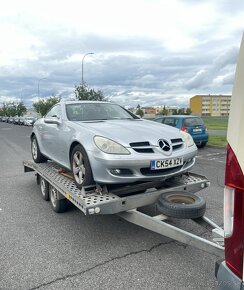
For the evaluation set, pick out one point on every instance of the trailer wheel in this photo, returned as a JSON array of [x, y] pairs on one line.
[[181, 205], [44, 189], [58, 205], [35, 151], [81, 167]]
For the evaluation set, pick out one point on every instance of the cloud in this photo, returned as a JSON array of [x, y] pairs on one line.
[[160, 54]]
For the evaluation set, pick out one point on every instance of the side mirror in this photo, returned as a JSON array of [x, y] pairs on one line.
[[52, 120]]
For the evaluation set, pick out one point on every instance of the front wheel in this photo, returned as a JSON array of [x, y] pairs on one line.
[[35, 151], [81, 168]]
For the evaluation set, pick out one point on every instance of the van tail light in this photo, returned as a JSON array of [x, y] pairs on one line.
[[183, 128], [234, 214]]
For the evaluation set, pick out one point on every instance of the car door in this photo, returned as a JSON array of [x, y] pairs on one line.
[[195, 126], [51, 138]]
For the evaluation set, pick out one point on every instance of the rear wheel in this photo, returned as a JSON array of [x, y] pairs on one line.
[[58, 205], [81, 167], [35, 151], [202, 145], [181, 205], [44, 189]]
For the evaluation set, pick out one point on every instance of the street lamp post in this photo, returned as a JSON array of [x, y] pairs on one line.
[[82, 80], [38, 86]]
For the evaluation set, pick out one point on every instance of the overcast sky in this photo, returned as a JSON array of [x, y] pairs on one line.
[[147, 52]]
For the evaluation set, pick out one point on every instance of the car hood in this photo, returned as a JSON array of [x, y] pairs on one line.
[[128, 131]]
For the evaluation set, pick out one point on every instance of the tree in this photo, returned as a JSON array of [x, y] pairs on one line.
[[44, 105], [20, 109], [164, 111], [10, 110], [83, 92], [188, 111], [140, 112]]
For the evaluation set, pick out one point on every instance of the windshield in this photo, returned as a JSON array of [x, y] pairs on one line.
[[96, 111], [188, 122]]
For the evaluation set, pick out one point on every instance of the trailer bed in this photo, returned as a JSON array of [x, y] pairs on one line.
[[90, 200]]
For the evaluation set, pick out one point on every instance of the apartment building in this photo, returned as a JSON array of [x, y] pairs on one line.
[[210, 105]]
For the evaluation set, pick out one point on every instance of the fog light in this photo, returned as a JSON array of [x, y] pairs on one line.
[[115, 171]]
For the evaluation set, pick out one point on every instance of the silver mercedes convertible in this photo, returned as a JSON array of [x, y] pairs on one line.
[[104, 143]]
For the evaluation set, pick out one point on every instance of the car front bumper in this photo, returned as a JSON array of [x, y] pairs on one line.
[[116, 169], [226, 279]]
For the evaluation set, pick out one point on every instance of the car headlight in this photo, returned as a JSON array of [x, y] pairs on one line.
[[109, 146], [187, 138]]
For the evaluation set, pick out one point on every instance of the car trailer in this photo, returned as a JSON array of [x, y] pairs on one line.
[[126, 201]]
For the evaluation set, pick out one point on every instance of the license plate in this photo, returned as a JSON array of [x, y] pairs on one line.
[[167, 163], [197, 130]]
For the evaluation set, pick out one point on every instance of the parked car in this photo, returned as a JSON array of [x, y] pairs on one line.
[[229, 272], [29, 121], [4, 119], [21, 121], [193, 125], [10, 119], [105, 143], [16, 120]]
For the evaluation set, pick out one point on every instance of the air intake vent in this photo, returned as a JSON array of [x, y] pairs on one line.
[[142, 147], [177, 143]]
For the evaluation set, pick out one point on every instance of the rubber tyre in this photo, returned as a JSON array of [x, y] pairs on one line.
[[35, 151], [44, 189], [181, 205], [203, 144], [58, 205], [86, 172]]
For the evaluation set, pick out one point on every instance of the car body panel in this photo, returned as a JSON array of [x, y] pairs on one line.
[[56, 141]]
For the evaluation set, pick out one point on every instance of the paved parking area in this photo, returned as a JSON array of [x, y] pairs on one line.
[[44, 250]]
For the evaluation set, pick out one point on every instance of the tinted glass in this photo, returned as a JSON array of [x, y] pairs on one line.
[[160, 120], [188, 122], [170, 121], [93, 111], [54, 112]]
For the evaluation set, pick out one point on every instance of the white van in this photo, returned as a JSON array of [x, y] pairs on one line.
[[229, 273]]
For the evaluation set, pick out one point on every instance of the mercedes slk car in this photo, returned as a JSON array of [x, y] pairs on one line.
[[104, 143]]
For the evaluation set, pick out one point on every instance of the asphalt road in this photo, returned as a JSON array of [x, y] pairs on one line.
[[41, 249]]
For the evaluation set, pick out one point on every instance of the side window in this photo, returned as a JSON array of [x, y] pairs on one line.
[[159, 120], [54, 112], [170, 122]]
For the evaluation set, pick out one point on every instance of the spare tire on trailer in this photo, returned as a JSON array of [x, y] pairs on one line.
[[181, 205]]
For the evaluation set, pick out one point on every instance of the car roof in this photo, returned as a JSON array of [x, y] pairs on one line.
[[178, 116], [85, 102]]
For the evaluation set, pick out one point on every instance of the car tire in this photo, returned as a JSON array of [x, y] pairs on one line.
[[81, 168], [202, 145], [181, 205], [35, 151], [44, 188], [58, 205]]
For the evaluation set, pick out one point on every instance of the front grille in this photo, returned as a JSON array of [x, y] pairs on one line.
[[145, 147], [177, 143], [142, 147]]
